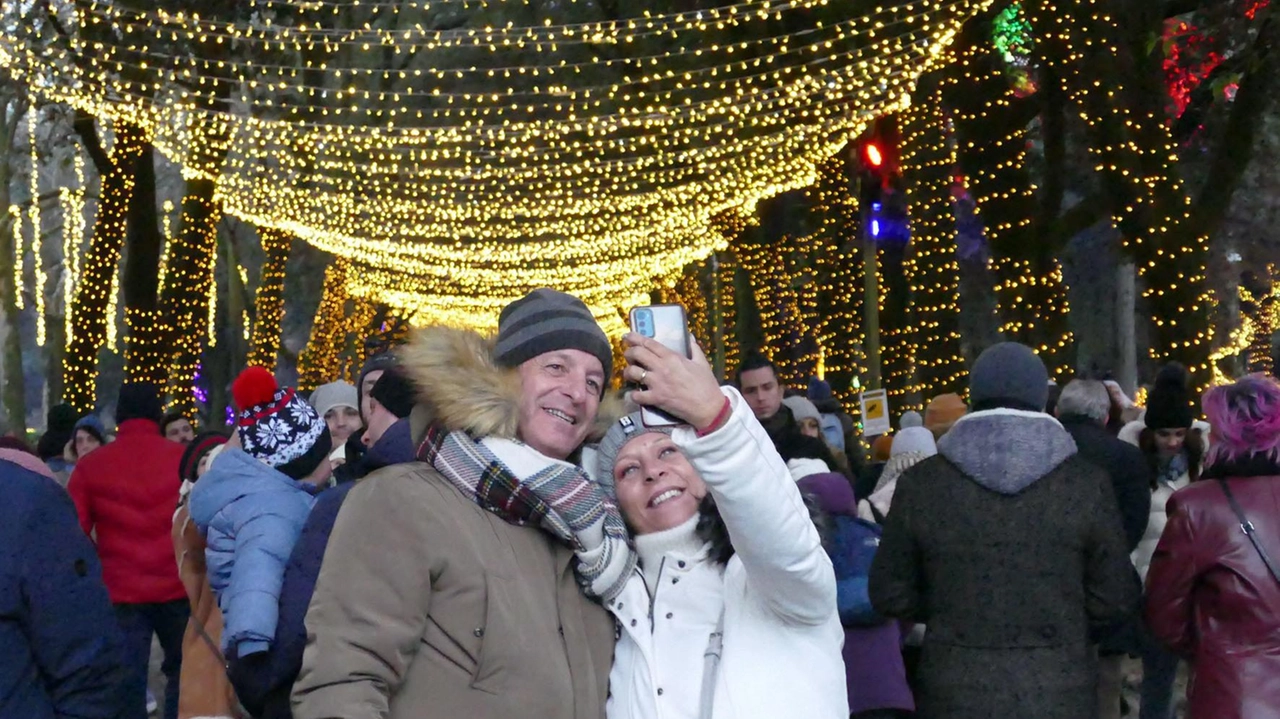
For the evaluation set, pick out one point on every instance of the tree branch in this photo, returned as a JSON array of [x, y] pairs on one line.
[[84, 126]]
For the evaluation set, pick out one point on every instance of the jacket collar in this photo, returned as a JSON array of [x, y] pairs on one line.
[[1006, 450], [461, 388]]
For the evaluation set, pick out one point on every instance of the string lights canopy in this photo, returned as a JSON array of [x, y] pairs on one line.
[[461, 152]]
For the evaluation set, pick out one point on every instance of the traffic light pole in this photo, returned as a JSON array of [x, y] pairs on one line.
[[871, 310], [870, 298]]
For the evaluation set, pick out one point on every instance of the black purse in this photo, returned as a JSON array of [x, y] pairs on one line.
[[1248, 529]]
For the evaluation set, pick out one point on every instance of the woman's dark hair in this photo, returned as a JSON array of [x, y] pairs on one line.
[[1193, 446], [711, 528]]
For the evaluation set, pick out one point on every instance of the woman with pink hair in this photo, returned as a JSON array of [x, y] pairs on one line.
[[1213, 588]]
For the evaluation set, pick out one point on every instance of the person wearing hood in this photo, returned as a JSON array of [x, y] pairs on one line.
[[1174, 445], [204, 692], [125, 493], [1213, 589], [731, 565], [250, 506], [461, 584], [911, 445], [266, 694], [61, 650], [875, 670], [1011, 548]]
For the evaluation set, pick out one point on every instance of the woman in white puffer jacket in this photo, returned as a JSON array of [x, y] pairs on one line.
[[732, 611]]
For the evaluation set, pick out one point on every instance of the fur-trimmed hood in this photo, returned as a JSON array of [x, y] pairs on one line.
[[461, 387]]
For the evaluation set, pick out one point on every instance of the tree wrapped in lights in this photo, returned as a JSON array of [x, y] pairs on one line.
[[319, 362], [991, 120], [269, 300], [146, 354], [188, 289], [787, 338], [933, 271], [98, 266], [838, 266]]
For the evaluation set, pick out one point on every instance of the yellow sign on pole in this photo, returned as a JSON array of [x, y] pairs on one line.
[[875, 413]]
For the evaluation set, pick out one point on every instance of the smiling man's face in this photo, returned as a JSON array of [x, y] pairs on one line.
[[559, 398]]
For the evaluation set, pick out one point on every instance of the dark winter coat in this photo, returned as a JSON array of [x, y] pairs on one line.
[[125, 493], [267, 693], [1130, 472], [1211, 599], [1010, 548], [875, 675], [61, 653], [1131, 481]]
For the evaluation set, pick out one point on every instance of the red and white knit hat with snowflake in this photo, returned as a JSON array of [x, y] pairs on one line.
[[278, 427]]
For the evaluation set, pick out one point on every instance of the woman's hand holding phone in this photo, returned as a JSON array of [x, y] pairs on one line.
[[686, 388]]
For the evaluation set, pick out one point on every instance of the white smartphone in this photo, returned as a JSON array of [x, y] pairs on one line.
[[669, 325]]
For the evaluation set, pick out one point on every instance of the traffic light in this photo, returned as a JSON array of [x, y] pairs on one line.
[[872, 157]]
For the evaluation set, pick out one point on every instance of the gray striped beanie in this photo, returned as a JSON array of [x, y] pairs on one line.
[[545, 321]]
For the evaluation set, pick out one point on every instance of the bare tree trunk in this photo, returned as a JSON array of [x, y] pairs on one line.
[[1126, 336]]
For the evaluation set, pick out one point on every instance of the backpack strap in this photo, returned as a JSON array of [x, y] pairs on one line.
[[1248, 529]]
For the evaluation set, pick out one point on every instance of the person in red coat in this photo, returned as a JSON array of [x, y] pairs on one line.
[[125, 494], [1211, 596]]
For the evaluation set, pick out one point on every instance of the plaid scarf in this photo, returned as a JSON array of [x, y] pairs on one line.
[[558, 497]]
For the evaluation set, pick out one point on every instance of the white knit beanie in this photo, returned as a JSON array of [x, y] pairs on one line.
[[913, 439]]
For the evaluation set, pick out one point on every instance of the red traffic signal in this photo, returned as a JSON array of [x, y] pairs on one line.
[[872, 155]]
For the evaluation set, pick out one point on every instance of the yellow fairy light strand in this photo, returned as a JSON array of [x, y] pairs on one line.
[[15, 217], [113, 301], [71, 200], [166, 227], [33, 122]]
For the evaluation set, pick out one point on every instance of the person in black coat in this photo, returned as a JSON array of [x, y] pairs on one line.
[[1010, 547], [1084, 410]]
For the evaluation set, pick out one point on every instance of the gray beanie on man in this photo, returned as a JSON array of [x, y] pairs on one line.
[[545, 321], [1009, 375], [624, 430]]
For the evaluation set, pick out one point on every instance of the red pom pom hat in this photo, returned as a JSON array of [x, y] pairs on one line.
[[278, 427]]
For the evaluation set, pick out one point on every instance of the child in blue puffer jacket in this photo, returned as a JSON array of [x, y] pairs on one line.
[[251, 505]]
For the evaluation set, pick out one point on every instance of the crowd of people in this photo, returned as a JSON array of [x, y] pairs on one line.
[[485, 527]]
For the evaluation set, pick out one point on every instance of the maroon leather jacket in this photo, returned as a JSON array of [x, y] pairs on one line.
[[1211, 599]]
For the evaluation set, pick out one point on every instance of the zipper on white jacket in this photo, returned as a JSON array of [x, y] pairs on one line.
[[653, 595]]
